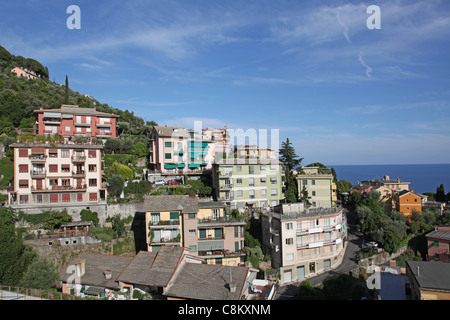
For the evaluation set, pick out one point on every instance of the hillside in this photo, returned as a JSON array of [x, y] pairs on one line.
[[19, 97]]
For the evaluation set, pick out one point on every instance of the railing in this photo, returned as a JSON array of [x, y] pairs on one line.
[[78, 158], [165, 222], [19, 293], [219, 220]]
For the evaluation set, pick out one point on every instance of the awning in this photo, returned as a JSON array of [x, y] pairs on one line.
[[181, 165], [38, 150], [93, 291], [194, 165], [170, 166]]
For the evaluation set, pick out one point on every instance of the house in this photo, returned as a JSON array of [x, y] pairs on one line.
[[254, 151], [429, 281], [392, 184], [57, 174], [211, 282], [319, 185], [24, 73], [176, 150], [438, 244], [248, 183], [407, 202], [171, 273], [303, 242], [200, 225], [71, 121], [93, 274]]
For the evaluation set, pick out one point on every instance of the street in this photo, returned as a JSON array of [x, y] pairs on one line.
[[354, 243]]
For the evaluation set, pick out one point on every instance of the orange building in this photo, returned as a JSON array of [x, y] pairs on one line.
[[407, 202]]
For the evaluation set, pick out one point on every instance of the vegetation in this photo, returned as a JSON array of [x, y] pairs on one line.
[[338, 287], [290, 161]]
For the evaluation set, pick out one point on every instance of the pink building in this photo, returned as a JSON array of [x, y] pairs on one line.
[[25, 73], [72, 121], [57, 174], [439, 244]]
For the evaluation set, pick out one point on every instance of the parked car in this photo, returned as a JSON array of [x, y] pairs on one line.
[[159, 183], [372, 244], [173, 182]]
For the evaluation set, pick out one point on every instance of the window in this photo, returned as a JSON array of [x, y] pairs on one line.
[[92, 168], [215, 213], [236, 231], [263, 180], [53, 182], [289, 241], [192, 233], [23, 183], [23, 153], [168, 156], [304, 182], [289, 226], [191, 215], [273, 180], [23, 168], [168, 144], [65, 168], [202, 234], [239, 193], [53, 168], [251, 182], [313, 193], [313, 182], [251, 169], [54, 198], [92, 182], [273, 192], [436, 244], [238, 168], [251, 194], [239, 181], [67, 128], [93, 196], [65, 182], [65, 153], [193, 248], [66, 197], [263, 192], [92, 154], [23, 198]]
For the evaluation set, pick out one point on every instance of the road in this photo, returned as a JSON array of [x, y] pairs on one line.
[[354, 243]]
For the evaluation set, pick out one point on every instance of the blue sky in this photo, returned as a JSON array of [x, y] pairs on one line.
[[341, 93]]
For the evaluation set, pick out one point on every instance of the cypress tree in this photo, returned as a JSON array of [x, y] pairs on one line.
[[66, 91]]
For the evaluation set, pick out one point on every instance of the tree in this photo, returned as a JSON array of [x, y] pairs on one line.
[[40, 274], [304, 197], [440, 194], [122, 170], [56, 219], [66, 91], [115, 185], [118, 225], [290, 161], [288, 156], [90, 216]]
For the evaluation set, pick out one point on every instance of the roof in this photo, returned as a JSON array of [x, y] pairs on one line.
[[405, 192], [76, 110], [211, 204], [165, 131], [183, 203], [431, 275], [208, 282], [95, 266], [439, 234], [153, 268]]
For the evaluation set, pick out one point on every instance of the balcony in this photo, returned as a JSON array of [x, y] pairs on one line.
[[78, 158], [38, 173], [59, 188], [79, 174], [220, 221], [173, 222], [38, 158]]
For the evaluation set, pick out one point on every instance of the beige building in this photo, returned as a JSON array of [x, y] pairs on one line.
[[303, 242], [319, 185], [57, 174], [200, 225], [248, 183]]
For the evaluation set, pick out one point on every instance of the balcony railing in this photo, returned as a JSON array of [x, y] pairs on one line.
[[78, 158], [172, 222]]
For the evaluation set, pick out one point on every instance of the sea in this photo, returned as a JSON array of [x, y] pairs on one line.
[[423, 177]]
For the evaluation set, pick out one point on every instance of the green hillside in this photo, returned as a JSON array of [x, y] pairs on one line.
[[19, 97]]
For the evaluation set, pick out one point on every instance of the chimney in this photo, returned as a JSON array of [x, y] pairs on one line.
[[81, 266], [386, 178], [418, 274], [232, 285], [108, 274]]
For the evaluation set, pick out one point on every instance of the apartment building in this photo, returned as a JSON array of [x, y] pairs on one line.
[[254, 151], [319, 185], [72, 121], [248, 183], [57, 174], [200, 225], [176, 150], [303, 242]]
